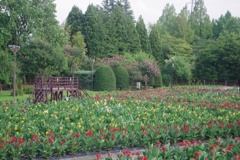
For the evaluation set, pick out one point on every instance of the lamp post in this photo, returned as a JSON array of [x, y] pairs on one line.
[[93, 60], [14, 49]]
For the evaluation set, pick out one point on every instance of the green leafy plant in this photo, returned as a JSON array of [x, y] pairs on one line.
[[104, 79]]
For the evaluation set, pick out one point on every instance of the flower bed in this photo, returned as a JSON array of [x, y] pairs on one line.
[[212, 149], [132, 119]]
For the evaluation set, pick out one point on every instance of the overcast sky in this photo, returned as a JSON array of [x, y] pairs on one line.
[[151, 10]]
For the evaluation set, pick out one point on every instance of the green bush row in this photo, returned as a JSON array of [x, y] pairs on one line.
[[107, 79]]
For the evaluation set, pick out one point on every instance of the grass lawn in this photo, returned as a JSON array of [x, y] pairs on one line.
[[5, 96]]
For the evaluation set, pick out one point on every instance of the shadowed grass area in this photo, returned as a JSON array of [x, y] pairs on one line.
[[5, 96]]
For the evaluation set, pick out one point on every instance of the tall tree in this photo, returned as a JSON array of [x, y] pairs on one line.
[[94, 32], [226, 24], [116, 32], [143, 35], [155, 42], [5, 71], [172, 46], [227, 51], [200, 21], [182, 26], [75, 51], [39, 58], [109, 6], [74, 20], [205, 67], [126, 7], [132, 38], [168, 18]]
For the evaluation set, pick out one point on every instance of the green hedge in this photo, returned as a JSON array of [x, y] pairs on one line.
[[85, 78], [122, 78], [28, 89], [19, 92], [158, 81], [104, 79]]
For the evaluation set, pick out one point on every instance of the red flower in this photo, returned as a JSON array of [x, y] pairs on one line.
[[89, 133], [143, 158], [1, 146], [158, 143], [51, 135], [14, 139], [181, 143], [136, 153], [98, 155], [127, 153], [109, 154], [115, 129], [199, 142], [20, 140], [164, 148], [17, 145], [166, 128], [145, 133], [229, 125], [237, 139], [74, 144], [34, 137], [184, 148], [50, 140], [112, 137], [62, 143], [76, 135], [197, 154]]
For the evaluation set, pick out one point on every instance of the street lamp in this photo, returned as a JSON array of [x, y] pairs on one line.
[[93, 60], [14, 49]]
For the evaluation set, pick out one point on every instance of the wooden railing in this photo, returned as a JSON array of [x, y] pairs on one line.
[[56, 82]]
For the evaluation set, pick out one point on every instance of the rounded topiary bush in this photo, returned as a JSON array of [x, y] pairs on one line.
[[152, 82], [158, 81], [104, 79], [122, 78]]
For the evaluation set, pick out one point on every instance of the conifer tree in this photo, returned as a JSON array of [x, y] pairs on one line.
[[74, 20], [116, 32], [94, 33], [168, 18], [200, 21], [143, 35], [155, 42], [132, 39]]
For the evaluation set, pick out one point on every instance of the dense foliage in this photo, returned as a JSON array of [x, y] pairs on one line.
[[122, 78], [104, 79], [210, 48]]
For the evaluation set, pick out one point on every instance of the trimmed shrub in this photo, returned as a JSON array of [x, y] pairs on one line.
[[158, 81], [85, 78], [28, 89], [19, 92], [122, 78], [104, 79], [152, 81]]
